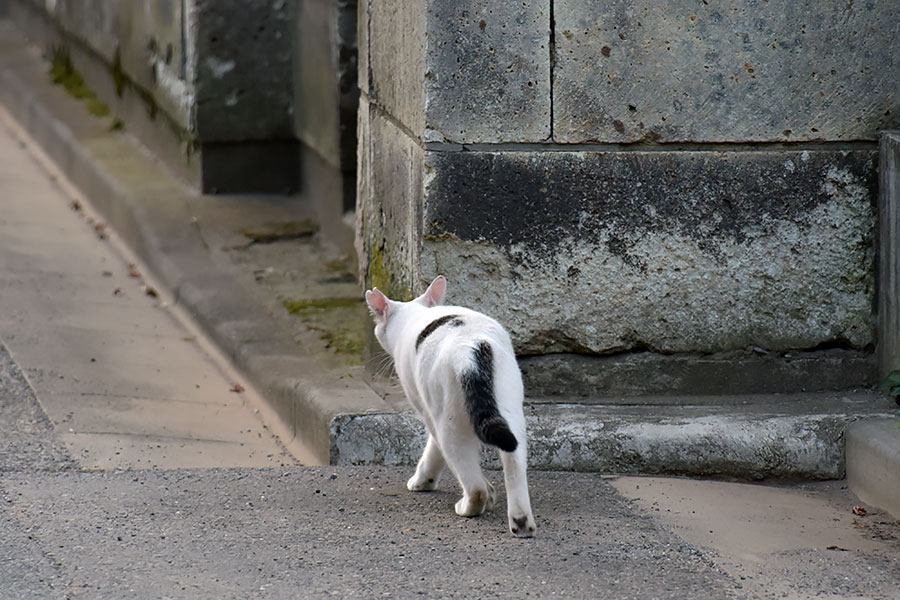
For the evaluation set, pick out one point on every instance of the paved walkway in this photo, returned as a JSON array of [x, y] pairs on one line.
[[126, 381]]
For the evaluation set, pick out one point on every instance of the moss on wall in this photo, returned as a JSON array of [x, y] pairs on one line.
[[62, 73], [380, 276]]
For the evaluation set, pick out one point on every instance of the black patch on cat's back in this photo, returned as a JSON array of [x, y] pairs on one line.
[[453, 320]]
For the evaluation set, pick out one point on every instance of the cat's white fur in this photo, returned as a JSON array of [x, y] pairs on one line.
[[431, 377]]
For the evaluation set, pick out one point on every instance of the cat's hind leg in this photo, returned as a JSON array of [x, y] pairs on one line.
[[464, 458], [521, 520], [428, 471]]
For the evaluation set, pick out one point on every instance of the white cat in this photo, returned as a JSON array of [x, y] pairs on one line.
[[459, 372]]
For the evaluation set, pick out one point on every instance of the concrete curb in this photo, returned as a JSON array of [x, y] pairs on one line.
[[342, 420], [796, 436], [873, 462]]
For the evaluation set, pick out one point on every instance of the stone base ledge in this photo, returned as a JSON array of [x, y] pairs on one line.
[[774, 437]]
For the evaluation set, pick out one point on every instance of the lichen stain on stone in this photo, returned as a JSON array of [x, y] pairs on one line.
[[64, 74], [340, 322], [269, 233], [788, 289], [380, 275]]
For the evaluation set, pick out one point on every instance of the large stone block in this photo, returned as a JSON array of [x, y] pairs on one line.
[[395, 55], [389, 204], [667, 251], [325, 70], [889, 254], [485, 67], [739, 70], [244, 55], [487, 71]]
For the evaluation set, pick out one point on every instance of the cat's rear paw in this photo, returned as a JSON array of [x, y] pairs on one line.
[[473, 505], [522, 526], [417, 483]]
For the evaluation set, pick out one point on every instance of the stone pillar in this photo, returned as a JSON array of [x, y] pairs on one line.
[[438, 73], [889, 255], [326, 98], [243, 105], [653, 198], [205, 84]]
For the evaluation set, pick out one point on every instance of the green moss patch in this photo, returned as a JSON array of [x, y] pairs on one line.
[[62, 73], [340, 322], [279, 232], [379, 277]]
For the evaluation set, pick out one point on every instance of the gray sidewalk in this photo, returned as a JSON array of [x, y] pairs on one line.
[[123, 377], [293, 322]]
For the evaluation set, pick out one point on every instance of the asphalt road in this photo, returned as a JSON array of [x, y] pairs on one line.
[[301, 532], [355, 532], [298, 532]]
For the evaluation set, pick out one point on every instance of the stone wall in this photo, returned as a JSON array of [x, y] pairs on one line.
[[228, 93], [635, 186]]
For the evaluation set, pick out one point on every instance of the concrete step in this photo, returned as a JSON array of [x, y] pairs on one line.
[[783, 436], [873, 462]]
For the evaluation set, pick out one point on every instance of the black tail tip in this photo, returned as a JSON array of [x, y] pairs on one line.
[[498, 434]]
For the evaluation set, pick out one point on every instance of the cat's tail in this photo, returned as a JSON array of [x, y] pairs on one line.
[[478, 386]]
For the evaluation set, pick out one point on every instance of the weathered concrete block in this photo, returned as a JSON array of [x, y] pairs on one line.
[[739, 70], [487, 71], [244, 62], [324, 77], [889, 254], [873, 463], [703, 251], [486, 68], [396, 59], [206, 85], [655, 376], [389, 205], [794, 436]]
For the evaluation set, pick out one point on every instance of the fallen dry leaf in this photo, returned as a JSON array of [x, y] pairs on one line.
[[75, 205], [151, 291], [860, 511], [117, 292], [107, 273], [838, 548], [237, 388]]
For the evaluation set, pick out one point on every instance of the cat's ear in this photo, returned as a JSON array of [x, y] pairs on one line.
[[434, 295], [378, 304]]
